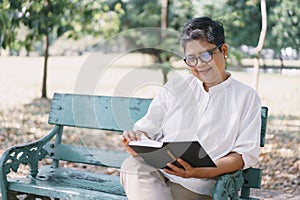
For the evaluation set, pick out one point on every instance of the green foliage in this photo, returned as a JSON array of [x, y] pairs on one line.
[[241, 19], [7, 35], [284, 24], [75, 18], [72, 19], [235, 56], [141, 13], [242, 22], [46, 19]]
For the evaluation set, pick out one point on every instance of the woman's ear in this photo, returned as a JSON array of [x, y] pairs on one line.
[[225, 50]]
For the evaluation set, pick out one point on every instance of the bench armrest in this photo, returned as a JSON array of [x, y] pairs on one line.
[[25, 154], [228, 185]]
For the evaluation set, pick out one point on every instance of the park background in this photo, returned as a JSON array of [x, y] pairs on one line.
[[71, 42]]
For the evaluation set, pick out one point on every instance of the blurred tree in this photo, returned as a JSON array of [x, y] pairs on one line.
[[242, 21], [284, 23], [7, 26], [168, 16], [45, 18]]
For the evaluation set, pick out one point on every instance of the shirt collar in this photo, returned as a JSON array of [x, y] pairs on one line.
[[218, 87], [222, 85]]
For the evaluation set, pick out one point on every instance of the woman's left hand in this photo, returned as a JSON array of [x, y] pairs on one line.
[[186, 172], [229, 163]]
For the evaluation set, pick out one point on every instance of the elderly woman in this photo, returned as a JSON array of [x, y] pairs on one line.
[[209, 106]]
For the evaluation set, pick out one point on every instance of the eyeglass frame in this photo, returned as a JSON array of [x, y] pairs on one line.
[[210, 51]]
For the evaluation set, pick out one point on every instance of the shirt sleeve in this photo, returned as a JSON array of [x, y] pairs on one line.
[[248, 141], [152, 122]]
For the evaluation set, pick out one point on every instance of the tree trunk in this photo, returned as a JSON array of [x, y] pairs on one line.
[[164, 18], [165, 76], [46, 55], [256, 71], [260, 42], [281, 63], [164, 26]]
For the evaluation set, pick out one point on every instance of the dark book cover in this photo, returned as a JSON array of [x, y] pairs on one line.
[[159, 154]]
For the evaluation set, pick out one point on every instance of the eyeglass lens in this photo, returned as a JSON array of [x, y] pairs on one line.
[[205, 56]]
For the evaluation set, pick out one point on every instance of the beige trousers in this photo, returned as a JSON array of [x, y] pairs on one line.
[[143, 182]]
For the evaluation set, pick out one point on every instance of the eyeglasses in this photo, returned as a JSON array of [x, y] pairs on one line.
[[205, 57]]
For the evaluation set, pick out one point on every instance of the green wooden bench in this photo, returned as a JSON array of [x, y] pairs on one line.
[[94, 112]]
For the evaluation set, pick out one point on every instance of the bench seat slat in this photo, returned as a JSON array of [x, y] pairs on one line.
[[81, 154], [70, 184], [97, 112]]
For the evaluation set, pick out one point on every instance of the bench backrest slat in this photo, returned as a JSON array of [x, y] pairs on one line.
[[97, 112], [264, 120], [87, 155]]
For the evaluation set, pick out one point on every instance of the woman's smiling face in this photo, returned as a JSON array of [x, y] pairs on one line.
[[212, 72]]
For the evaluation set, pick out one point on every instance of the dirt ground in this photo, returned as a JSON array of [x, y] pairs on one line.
[[23, 115]]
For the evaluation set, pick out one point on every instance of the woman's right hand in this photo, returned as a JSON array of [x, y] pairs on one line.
[[130, 136]]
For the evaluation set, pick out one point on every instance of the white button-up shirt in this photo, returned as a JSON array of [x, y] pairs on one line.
[[225, 119]]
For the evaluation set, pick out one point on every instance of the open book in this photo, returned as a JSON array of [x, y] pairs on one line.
[[158, 154]]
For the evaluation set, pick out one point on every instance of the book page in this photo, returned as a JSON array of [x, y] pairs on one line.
[[146, 143]]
